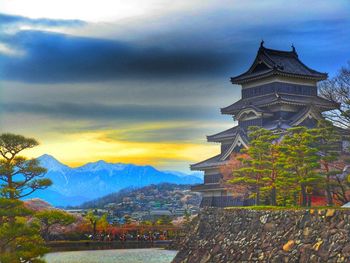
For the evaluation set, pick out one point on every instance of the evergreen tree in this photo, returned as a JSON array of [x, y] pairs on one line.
[[19, 176], [51, 218], [287, 186], [260, 170], [299, 157], [328, 144], [20, 240]]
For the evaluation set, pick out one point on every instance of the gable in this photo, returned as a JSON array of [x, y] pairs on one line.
[[309, 122], [308, 118], [260, 66], [248, 113], [238, 143]]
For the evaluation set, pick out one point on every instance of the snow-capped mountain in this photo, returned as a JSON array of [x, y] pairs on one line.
[[73, 186]]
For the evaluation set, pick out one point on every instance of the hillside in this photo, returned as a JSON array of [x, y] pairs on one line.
[[171, 195], [74, 186]]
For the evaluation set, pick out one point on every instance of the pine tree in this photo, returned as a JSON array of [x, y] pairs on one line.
[[19, 176], [300, 158], [328, 143], [260, 170], [20, 240], [51, 218]]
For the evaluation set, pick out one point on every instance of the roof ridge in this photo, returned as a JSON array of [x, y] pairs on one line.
[[277, 51]]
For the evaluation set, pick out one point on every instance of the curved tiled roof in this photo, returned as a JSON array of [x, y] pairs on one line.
[[278, 98], [278, 62], [227, 134], [211, 162]]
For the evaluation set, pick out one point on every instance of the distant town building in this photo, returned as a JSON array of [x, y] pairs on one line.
[[160, 213], [278, 92]]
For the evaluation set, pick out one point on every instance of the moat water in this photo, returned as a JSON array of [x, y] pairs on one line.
[[149, 255]]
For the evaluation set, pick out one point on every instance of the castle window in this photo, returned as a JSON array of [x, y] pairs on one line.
[[279, 87]]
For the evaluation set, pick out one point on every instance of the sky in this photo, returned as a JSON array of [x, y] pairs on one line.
[[143, 81]]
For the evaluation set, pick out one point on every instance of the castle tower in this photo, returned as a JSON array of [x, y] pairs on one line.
[[278, 92]]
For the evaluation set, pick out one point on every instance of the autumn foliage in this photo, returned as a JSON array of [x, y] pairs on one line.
[[235, 162]]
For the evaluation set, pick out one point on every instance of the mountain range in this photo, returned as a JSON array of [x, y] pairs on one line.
[[74, 186]]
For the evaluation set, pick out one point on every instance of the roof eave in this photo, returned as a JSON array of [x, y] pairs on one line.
[[234, 112], [212, 139], [243, 79], [239, 80], [228, 112], [220, 139], [202, 167]]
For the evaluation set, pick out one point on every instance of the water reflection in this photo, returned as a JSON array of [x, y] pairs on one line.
[[152, 255]]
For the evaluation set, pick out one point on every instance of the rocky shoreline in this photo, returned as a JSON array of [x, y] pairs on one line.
[[248, 235]]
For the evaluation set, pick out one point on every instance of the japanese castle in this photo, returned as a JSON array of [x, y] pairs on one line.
[[278, 92]]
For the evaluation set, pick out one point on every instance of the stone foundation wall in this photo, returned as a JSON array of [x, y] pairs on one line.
[[242, 235]]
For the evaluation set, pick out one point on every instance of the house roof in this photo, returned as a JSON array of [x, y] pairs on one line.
[[270, 62], [278, 98]]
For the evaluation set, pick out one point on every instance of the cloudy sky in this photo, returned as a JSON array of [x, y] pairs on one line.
[[142, 81]]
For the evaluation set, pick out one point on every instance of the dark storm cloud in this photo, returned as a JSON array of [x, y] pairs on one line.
[[81, 111], [52, 57], [215, 49], [6, 20]]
